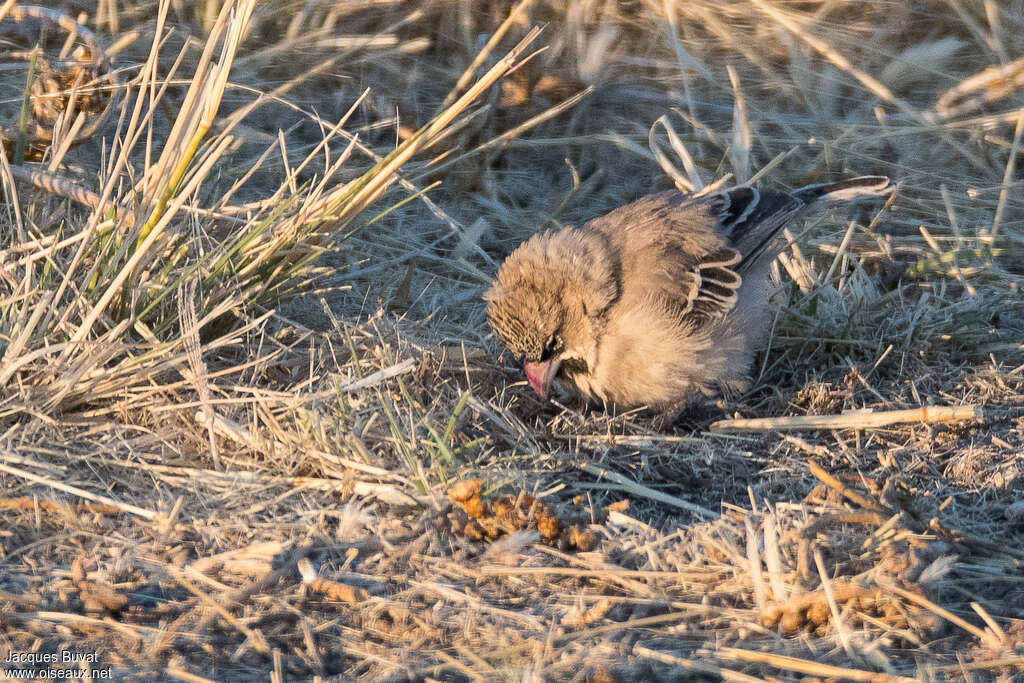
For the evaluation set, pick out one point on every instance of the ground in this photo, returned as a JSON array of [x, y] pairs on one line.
[[253, 422]]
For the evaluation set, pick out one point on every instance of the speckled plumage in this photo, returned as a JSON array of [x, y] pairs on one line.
[[656, 302]]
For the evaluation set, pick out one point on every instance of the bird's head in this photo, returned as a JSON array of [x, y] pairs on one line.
[[548, 301]]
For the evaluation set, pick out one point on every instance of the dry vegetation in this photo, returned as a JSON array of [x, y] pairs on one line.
[[252, 422]]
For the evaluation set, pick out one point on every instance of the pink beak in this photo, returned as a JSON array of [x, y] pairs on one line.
[[540, 375]]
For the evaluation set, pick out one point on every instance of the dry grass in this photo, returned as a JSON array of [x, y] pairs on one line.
[[243, 359]]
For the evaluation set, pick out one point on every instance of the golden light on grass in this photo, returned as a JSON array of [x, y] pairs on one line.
[[243, 358]]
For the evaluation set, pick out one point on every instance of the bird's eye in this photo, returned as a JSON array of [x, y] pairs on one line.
[[551, 346]]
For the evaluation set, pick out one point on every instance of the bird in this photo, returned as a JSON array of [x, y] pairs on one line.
[[658, 302]]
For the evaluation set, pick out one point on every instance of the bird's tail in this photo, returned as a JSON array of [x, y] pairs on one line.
[[763, 213], [851, 188]]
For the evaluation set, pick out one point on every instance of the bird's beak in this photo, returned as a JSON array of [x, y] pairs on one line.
[[541, 374]]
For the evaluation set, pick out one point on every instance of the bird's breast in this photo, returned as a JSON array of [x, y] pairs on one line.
[[585, 385]]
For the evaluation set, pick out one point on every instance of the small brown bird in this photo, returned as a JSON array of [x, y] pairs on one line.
[[655, 303]]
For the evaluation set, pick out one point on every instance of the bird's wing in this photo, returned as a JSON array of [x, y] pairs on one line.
[[750, 219], [672, 247], [693, 251], [716, 282]]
